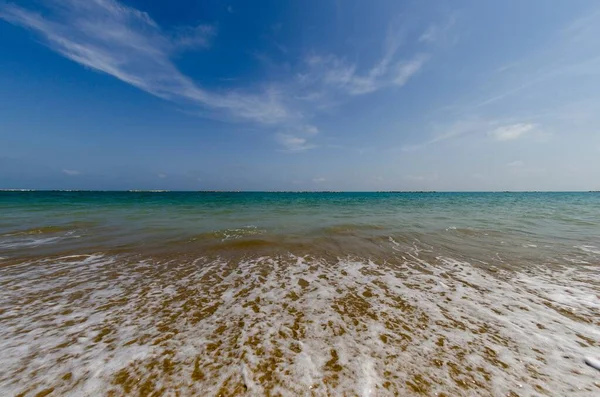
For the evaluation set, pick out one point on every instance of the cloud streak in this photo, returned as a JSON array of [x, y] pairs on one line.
[[127, 44], [329, 74], [511, 132], [571, 53], [334, 72], [451, 131], [440, 33], [293, 143]]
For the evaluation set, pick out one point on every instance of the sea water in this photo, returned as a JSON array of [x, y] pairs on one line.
[[368, 294]]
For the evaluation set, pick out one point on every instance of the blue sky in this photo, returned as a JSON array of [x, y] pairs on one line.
[[300, 95]]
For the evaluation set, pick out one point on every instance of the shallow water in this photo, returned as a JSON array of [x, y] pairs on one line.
[[299, 294]]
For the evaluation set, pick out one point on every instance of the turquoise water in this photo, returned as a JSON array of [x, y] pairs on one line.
[[55, 221], [317, 294]]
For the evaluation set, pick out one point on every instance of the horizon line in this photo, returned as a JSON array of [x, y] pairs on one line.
[[25, 190]]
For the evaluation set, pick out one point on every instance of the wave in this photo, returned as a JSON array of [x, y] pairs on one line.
[[38, 230], [28, 243], [591, 249], [350, 228], [37, 237]]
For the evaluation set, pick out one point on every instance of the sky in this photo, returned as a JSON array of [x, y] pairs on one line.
[[300, 95]]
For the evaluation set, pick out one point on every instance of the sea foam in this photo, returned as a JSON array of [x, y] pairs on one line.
[[414, 324]]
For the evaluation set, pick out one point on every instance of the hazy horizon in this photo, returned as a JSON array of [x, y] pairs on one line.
[[290, 191]]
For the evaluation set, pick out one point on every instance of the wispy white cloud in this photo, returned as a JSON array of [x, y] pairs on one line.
[[430, 34], [570, 53], [441, 33], [331, 71], [453, 130], [293, 143], [297, 138], [335, 72], [128, 44], [405, 70], [319, 180], [498, 130], [310, 129], [161, 175], [71, 172], [194, 37], [511, 132], [583, 30]]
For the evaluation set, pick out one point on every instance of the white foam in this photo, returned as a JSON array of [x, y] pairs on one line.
[[28, 242], [589, 248], [297, 326], [237, 233]]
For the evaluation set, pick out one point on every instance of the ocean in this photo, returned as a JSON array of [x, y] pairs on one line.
[[311, 294]]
